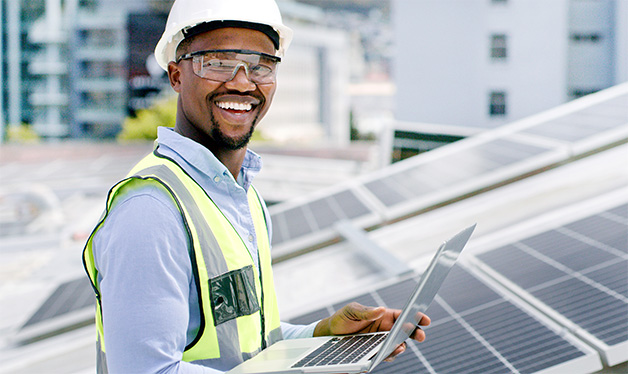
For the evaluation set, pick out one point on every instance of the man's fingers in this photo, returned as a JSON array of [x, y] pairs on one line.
[[399, 350], [418, 335], [425, 320], [359, 312]]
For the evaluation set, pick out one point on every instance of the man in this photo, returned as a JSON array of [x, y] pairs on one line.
[[181, 263]]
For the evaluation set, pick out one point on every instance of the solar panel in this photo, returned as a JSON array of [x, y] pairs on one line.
[[69, 296], [580, 271], [476, 329], [69, 306], [454, 168], [586, 122], [401, 190], [462, 168], [317, 215]]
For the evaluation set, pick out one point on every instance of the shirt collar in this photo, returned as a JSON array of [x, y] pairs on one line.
[[188, 153]]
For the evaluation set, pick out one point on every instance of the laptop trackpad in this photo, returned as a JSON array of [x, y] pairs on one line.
[[284, 354]]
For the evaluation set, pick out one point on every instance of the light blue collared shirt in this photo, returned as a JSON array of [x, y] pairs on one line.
[[149, 296]]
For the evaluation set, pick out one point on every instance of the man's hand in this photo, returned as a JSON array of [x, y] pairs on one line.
[[356, 319]]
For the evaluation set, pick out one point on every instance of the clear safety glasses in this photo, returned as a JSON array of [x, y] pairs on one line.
[[222, 65]]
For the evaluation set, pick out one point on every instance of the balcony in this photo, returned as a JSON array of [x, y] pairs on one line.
[[48, 99], [102, 85], [89, 53], [41, 66], [103, 116]]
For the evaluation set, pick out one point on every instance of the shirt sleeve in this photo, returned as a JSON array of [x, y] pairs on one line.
[[291, 331], [141, 253]]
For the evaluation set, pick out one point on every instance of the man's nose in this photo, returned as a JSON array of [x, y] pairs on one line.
[[240, 80]]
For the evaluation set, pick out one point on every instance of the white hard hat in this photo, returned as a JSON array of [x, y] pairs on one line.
[[185, 14]]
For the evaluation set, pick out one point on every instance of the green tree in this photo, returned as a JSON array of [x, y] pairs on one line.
[[22, 133]]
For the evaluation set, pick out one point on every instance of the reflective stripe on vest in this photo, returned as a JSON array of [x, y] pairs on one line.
[[220, 261]]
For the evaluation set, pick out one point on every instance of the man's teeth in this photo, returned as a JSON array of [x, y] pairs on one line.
[[234, 106]]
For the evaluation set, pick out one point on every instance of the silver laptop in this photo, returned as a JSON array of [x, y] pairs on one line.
[[363, 352]]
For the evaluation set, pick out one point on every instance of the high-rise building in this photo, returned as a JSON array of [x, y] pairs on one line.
[[483, 63]]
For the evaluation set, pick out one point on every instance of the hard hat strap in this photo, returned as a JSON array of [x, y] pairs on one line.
[[209, 26]]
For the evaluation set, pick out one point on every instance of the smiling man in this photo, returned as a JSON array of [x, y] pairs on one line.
[[180, 262]]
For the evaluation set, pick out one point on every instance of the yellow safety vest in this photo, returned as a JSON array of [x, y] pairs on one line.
[[237, 300]]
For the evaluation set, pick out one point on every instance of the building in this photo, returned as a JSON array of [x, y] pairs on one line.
[[77, 68], [484, 63], [65, 65]]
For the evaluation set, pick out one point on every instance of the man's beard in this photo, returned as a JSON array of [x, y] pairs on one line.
[[233, 144]]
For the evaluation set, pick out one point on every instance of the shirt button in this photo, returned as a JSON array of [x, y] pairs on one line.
[[216, 179], [251, 238]]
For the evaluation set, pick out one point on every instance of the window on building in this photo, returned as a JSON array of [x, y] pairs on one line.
[[586, 38], [497, 105], [578, 93], [499, 50]]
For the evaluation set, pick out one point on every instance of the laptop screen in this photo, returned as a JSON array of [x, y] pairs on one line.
[[424, 293]]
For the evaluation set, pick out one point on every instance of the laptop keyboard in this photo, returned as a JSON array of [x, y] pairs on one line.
[[341, 350]]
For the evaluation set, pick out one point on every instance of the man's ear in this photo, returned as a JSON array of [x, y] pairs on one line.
[[174, 75]]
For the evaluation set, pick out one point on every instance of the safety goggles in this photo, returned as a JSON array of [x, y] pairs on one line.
[[222, 65]]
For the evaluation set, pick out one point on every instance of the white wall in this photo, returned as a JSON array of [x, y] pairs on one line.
[[443, 69], [590, 64], [621, 41]]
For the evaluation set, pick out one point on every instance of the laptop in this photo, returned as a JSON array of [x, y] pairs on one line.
[[359, 353]]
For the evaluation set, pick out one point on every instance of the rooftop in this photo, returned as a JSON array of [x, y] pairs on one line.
[[536, 177]]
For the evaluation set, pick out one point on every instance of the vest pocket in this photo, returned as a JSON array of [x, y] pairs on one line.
[[233, 295]]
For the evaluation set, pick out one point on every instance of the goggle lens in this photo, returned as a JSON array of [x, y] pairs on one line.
[[223, 65]]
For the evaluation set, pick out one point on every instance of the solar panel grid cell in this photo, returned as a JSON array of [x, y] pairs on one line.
[[385, 191], [587, 122], [407, 186], [324, 213], [296, 222], [464, 292], [612, 332], [507, 152], [597, 229], [438, 176], [618, 212], [349, 203], [613, 275], [469, 163], [613, 108], [395, 296], [279, 228]]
